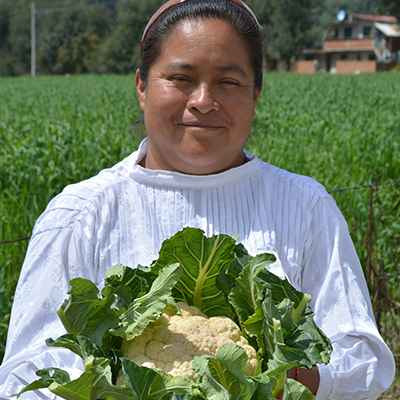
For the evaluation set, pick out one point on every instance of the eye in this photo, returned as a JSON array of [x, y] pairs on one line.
[[230, 82], [179, 78]]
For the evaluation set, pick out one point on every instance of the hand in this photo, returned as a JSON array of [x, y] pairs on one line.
[[307, 377]]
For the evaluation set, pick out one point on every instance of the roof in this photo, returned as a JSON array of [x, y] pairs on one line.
[[389, 19], [390, 30]]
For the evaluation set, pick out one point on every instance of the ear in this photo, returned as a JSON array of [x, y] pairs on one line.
[[140, 90], [257, 93]]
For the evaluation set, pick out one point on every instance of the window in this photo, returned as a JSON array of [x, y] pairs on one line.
[[343, 56], [336, 34], [359, 57], [367, 31], [347, 32], [371, 56]]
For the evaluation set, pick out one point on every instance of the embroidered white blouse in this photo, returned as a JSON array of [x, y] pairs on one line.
[[123, 214]]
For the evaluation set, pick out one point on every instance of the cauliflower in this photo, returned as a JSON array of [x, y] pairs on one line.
[[173, 340], [189, 266]]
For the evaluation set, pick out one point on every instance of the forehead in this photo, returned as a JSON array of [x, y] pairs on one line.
[[212, 39]]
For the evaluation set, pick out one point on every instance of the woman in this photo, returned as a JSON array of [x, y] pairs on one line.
[[198, 85]]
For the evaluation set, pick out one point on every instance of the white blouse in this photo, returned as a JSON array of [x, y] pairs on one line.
[[122, 216]]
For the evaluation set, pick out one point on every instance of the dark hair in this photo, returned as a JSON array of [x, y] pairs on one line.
[[196, 10]]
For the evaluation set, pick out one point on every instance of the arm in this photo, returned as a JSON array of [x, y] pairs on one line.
[[361, 365], [53, 258]]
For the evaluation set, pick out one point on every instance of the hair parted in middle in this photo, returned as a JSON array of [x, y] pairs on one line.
[[172, 13]]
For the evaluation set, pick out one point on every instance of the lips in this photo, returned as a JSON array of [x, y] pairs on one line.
[[201, 125]]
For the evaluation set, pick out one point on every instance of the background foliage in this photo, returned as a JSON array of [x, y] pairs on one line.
[[103, 36]]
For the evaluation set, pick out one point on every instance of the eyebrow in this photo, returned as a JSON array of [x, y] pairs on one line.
[[223, 68], [232, 68]]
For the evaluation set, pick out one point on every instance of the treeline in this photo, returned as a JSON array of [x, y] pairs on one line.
[[103, 36]]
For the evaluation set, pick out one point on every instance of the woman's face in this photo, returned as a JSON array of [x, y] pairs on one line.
[[199, 100]]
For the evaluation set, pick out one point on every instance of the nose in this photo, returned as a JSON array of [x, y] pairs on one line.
[[202, 99]]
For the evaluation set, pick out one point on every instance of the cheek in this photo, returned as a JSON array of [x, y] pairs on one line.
[[241, 107], [167, 101]]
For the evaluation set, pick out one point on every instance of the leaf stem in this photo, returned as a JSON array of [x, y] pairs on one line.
[[203, 271], [297, 312], [65, 393], [280, 385], [66, 322]]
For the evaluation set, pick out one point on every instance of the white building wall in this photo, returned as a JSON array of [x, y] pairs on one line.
[[357, 29]]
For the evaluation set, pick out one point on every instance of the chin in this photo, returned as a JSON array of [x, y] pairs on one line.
[[197, 165]]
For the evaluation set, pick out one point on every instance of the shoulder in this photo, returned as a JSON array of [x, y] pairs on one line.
[[298, 199], [86, 199], [285, 183]]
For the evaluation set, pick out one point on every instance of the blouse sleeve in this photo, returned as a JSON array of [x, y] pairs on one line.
[[54, 256], [361, 365]]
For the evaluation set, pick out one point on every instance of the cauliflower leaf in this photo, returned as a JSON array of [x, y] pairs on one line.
[[202, 260], [148, 307]]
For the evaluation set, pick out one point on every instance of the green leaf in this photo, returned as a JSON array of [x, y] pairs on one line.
[[223, 376], [139, 379], [309, 338], [146, 383], [281, 289], [211, 387], [202, 260], [126, 284], [87, 312], [296, 391], [79, 345], [47, 377], [103, 389], [248, 293], [242, 258], [175, 396], [78, 390], [149, 307], [94, 383], [172, 384], [304, 345], [234, 359]]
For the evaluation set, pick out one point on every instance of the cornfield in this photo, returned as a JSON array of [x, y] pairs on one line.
[[344, 131]]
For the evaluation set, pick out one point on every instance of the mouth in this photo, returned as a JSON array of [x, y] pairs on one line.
[[201, 126]]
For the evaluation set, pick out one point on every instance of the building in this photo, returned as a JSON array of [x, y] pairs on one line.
[[354, 43]]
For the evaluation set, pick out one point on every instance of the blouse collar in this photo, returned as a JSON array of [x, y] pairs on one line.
[[177, 180]]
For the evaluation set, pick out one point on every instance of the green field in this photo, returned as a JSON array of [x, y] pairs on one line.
[[343, 131]]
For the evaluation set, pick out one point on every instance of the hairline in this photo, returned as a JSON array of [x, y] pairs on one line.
[[203, 17], [200, 18]]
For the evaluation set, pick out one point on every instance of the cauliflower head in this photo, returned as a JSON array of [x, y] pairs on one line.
[[173, 340]]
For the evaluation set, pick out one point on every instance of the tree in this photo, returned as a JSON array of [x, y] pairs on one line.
[[68, 40], [290, 27], [7, 61], [389, 7], [120, 53], [326, 10]]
